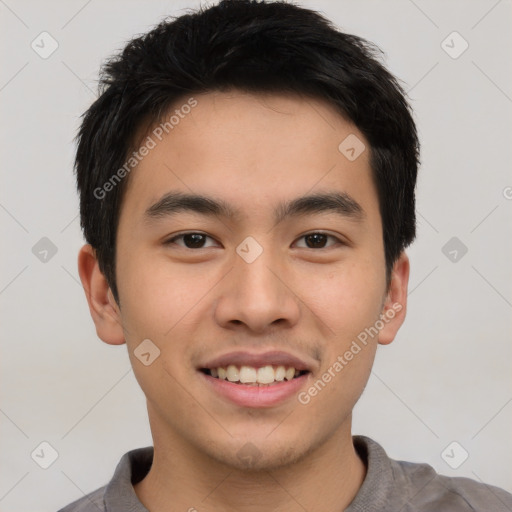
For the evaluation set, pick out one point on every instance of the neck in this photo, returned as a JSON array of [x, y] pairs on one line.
[[326, 479]]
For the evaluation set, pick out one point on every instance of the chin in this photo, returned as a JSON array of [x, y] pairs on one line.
[[258, 454]]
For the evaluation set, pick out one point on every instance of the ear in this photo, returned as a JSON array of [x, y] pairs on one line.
[[395, 304], [102, 305]]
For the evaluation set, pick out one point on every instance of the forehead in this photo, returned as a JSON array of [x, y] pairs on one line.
[[251, 150]]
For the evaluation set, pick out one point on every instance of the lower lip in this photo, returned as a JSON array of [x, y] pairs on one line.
[[256, 396]]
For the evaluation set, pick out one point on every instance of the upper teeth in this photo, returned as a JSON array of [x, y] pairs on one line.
[[249, 374]]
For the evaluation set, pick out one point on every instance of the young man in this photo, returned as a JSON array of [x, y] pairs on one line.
[[246, 186]]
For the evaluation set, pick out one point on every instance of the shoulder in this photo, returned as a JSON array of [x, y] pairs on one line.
[[119, 493], [429, 491], [92, 502], [410, 486]]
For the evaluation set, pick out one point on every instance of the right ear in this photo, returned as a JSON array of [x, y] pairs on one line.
[[102, 305]]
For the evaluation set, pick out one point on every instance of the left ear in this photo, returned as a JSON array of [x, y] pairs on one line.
[[395, 305]]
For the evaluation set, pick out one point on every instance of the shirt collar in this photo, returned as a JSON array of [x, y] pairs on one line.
[[120, 495], [378, 486]]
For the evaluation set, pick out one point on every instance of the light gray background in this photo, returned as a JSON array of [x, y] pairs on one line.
[[447, 377]]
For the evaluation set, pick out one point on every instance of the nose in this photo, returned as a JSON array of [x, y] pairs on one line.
[[257, 297]]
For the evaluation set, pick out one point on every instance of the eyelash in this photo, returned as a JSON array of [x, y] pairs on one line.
[[171, 241]]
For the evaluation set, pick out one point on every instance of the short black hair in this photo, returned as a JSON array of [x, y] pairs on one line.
[[257, 47]]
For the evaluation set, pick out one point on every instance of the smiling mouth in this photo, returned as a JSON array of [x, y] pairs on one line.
[[252, 376]]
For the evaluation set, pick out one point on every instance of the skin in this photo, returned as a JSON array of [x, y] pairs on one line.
[[252, 151]]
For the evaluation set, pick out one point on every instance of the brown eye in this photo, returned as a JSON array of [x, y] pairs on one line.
[[318, 240], [190, 240]]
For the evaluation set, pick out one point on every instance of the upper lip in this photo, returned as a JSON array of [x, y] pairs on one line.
[[270, 358]]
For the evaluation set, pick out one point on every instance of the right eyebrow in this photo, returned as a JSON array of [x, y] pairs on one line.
[[175, 202]]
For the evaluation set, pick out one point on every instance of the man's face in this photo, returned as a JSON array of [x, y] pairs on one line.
[[216, 294]]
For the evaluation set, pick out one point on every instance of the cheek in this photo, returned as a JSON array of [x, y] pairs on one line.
[[348, 299], [156, 295], [158, 303]]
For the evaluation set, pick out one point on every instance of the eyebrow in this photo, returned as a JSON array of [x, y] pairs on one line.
[[339, 203]]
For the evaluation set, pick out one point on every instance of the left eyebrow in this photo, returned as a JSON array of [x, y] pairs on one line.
[[339, 203]]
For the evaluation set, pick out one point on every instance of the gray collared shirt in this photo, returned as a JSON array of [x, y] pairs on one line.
[[389, 486]]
